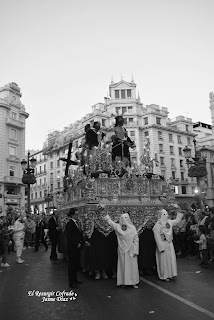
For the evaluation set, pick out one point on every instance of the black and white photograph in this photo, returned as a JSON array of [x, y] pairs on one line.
[[106, 160]]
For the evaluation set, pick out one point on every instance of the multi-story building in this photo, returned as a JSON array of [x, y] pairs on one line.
[[12, 147], [167, 137], [39, 190]]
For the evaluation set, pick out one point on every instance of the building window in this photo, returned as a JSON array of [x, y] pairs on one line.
[[179, 139], [58, 163], [51, 176], [131, 120], [187, 128], [35, 195], [11, 190], [183, 189], [58, 184], [160, 148], [188, 141], [171, 150], [158, 120], [124, 109], [181, 163], [130, 109], [40, 169], [129, 93], [180, 151], [134, 159], [125, 120], [123, 94], [40, 194], [172, 162], [170, 137], [103, 122], [44, 180], [132, 133], [160, 137], [173, 175], [31, 196], [51, 164], [117, 95], [13, 134], [12, 171], [162, 161], [40, 182], [163, 173], [146, 121], [12, 151], [14, 115], [182, 175], [117, 110], [51, 187], [146, 133], [45, 168]]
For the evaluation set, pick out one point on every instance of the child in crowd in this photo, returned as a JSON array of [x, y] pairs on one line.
[[203, 247], [5, 236]]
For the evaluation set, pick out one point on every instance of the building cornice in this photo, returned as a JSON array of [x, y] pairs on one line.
[[159, 127]]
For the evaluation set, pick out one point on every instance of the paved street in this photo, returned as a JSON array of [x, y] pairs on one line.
[[190, 296]]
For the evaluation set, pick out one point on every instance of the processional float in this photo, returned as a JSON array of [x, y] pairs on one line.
[[136, 190]]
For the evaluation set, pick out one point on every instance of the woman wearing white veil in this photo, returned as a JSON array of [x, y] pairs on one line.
[[128, 249]]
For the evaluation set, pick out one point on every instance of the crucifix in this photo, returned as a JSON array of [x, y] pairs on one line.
[[68, 163]]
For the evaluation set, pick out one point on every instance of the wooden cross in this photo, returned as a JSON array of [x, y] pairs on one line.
[[68, 163]]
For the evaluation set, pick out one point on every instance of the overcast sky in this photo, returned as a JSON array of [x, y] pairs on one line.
[[62, 54]]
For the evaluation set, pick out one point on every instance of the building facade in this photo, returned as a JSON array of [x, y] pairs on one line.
[[167, 137], [12, 148]]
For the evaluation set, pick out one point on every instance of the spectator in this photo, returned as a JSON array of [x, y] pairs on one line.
[[29, 231], [19, 234], [210, 242], [182, 237], [5, 235], [203, 247]]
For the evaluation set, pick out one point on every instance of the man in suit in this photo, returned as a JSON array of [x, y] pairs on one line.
[[53, 235], [74, 241], [40, 234]]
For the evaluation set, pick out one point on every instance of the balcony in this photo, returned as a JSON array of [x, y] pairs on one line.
[[15, 123], [13, 159], [12, 196], [14, 180]]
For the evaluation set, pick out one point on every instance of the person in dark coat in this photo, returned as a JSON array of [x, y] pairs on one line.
[[40, 233], [74, 241], [94, 136], [53, 232]]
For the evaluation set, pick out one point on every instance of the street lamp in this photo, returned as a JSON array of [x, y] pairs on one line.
[[48, 198], [196, 168], [28, 178]]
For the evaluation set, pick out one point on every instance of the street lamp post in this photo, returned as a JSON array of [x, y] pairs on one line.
[[28, 178], [48, 198], [196, 168]]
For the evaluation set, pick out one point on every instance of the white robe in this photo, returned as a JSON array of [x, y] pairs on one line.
[[166, 260], [127, 264]]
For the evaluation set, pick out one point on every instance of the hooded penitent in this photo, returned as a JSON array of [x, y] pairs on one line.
[[126, 233], [164, 224]]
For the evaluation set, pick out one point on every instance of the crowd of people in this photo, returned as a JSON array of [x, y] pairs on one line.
[[119, 256], [20, 232]]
